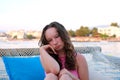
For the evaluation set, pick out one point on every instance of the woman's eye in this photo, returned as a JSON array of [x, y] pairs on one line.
[[57, 36], [49, 40]]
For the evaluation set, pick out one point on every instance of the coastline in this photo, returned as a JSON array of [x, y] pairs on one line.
[[74, 39], [94, 39]]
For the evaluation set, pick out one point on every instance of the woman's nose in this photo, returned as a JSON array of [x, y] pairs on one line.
[[54, 41]]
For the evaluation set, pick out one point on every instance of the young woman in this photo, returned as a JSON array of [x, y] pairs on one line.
[[58, 56]]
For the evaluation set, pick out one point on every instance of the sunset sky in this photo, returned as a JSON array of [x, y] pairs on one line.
[[35, 14]]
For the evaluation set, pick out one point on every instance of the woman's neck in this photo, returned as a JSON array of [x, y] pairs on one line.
[[61, 54]]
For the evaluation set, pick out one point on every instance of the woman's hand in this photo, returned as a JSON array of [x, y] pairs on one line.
[[48, 49], [64, 71]]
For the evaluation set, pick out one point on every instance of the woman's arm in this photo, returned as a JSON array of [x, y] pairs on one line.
[[49, 63], [82, 67]]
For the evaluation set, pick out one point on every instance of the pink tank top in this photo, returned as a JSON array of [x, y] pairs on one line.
[[74, 72]]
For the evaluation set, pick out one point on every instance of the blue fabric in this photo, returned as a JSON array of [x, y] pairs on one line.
[[24, 68]]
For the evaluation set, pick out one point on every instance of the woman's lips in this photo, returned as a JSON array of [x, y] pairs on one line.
[[57, 47]]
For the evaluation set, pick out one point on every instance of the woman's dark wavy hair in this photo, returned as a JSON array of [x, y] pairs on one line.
[[70, 63]]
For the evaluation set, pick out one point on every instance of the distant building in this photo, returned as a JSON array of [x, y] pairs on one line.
[[20, 34], [3, 36], [36, 34], [110, 31]]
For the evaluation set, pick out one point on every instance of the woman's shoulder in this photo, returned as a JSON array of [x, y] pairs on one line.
[[80, 57], [81, 61]]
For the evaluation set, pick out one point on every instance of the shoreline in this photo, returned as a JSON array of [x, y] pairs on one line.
[[73, 39]]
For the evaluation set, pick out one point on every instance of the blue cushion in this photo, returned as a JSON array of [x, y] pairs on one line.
[[24, 68]]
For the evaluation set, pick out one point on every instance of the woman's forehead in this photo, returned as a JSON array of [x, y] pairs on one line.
[[51, 32]]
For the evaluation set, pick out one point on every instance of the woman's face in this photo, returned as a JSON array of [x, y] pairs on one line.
[[54, 39]]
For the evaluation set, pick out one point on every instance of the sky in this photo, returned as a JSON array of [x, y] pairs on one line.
[[35, 14]]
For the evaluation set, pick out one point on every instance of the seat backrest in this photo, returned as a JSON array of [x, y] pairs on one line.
[[24, 67]]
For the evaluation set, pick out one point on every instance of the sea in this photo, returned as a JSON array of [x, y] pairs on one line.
[[99, 63], [108, 48]]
